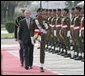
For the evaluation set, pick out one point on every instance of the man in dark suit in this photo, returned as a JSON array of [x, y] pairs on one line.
[[26, 37]]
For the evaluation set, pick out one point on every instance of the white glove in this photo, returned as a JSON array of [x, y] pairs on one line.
[[68, 34], [79, 33], [32, 40], [54, 32], [46, 26], [43, 31], [36, 21]]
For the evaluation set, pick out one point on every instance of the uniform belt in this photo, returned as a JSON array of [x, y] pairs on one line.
[[82, 28], [64, 26], [52, 26], [72, 26], [76, 28], [38, 31], [58, 25]]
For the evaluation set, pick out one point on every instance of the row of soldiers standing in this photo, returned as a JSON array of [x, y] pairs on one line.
[[65, 36]]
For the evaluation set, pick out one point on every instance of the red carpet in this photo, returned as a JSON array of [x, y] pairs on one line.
[[10, 65]]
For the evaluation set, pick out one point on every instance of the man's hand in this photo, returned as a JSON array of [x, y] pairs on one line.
[[32, 40]]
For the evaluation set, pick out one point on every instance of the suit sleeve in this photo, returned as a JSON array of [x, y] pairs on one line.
[[20, 31]]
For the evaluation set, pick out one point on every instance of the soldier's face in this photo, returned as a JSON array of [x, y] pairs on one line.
[[27, 14], [39, 13], [49, 13], [82, 11], [72, 12], [54, 13], [76, 11], [64, 13], [42, 12], [58, 13]]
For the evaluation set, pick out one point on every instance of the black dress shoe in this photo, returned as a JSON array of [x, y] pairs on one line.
[[54, 52], [59, 53], [82, 60], [63, 54], [71, 57], [50, 50], [78, 58], [26, 67], [41, 69], [68, 55], [75, 56], [30, 67]]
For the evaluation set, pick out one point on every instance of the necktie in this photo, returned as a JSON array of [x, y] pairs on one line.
[[28, 22]]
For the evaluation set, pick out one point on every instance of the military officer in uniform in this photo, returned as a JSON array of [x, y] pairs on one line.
[[65, 32], [49, 29], [45, 16], [72, 32], [22, 16], [58, 30], [53, 30], [78, 31], [39, 26], [76, 28], [82, 33]]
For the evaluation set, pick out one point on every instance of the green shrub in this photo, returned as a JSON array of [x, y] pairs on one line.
[[9, 24]]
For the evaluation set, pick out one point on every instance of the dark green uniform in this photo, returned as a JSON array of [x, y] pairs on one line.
[[58, 30], [71, 29], [49, 33], [53, 32], [38, 26], [82, 37], [72, 39], [76, 28], [65, 33]]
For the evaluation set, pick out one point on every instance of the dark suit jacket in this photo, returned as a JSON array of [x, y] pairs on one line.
[[24, 32]]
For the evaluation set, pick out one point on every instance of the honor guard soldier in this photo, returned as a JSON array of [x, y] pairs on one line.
[[49, 29], [82, 33], [65, 32], [53, 30], [40, 27], [46, 21], [16, 34], [76, 28], [72, 32], [81, 29], [58, 30]]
